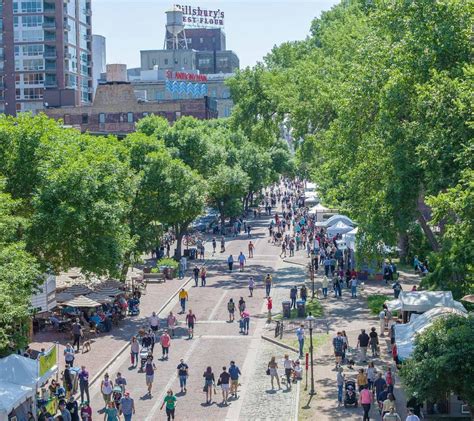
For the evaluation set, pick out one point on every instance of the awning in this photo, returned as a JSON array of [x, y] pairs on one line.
[[339, 218], [339, 228], [110, 291], [61, 297], [100, 298], [78, 290], [12, 396], [82, 301]]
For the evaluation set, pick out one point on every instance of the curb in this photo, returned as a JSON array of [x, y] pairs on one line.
[[125, 346], [280, 344], [294, 263]]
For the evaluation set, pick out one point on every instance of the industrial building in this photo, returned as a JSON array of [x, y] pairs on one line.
[[45, 54]]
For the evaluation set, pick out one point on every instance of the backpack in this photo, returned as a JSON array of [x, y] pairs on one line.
[[231, 306]]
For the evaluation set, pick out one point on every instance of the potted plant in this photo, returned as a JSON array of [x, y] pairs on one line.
[[170, 267]]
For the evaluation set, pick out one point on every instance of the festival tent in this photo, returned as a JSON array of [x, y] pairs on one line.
[[110, 291], [350, 238], [339, 218], [12, 396], [339, 228], [422, 301], [310, 186], [61, 297], [82, 302], [318, 209], [78, 289], [405, 333], [100, 297]]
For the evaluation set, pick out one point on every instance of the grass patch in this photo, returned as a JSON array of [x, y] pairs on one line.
[[376, 301], [319, 340], [312, 306]]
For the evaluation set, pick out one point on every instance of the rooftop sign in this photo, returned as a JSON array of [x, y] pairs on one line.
[[196, 17], [192, 77]]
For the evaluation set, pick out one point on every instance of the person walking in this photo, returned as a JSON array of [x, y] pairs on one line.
[[134, 350], [288, 367], [293, 296], [379, 385], [165, 342], [190, 320], [183, 372], [268, 284], [340, 379], [84, 383], [86, 412], [374, 341], [171, 322], [73, 409], [242, 305], [242, 261], [338, 344], [120, 381], [388, 405], [304, 293], [230, 262], [196, 275], [324, 284], [392, 416], [251, 285], [365, 400], [362, 344], [106, 388], [154, 322], [411, 415], [251, 249], [127, 407], [209, 384], [231, 309], [272, 371], [170, 402], [203, 276], [300, 337], [234, 372], [77, 333], [245, 322], [214, 245], [69, 355], [222, 244], [371, 376], [354, 287], [149, 373], [111, 412], [183, 297], [362, 381], [223, 382]]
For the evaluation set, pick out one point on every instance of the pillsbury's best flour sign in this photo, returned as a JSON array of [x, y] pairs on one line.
[[196, 17]]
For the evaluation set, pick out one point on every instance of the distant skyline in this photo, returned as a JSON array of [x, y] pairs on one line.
[[252, 27]]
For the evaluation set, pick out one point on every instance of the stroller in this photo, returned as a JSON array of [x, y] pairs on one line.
[[144, 353], [133, 307], [117, 396], [350, 397]]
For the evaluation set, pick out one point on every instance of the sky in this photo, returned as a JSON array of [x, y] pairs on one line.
[[252, 27]]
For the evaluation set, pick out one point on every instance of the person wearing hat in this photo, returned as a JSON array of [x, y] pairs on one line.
[[411, 415], [127, 407], [73, 409], [86, 412], [64, 411]]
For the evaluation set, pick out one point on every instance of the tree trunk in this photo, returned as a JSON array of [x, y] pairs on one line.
[[125, 266], [179, 240], [422, 207], [403, 246]]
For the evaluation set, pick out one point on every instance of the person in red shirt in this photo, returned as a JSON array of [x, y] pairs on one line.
[[165, 341], [269, 308], [190, 320], [365, 399]]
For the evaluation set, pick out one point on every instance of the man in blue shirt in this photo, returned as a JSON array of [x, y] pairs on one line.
[[293, 295], [234, 372]]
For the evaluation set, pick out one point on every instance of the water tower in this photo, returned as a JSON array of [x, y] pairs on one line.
[[175, 38]]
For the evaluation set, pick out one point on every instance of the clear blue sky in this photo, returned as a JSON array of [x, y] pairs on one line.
[[252, 27]]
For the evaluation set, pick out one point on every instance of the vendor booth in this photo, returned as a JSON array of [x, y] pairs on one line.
[[339, 228], [339, 218], [21, 379], [418, 302], [405, 333]]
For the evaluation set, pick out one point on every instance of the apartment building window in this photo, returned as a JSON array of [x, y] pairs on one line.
[[29, 64], [32, 50], [101, 118], [85, 119], [33, 93], [201, 40], [33, 78], [32, 21], [204, 61], [35, 6], [129, 117], [166, 61]]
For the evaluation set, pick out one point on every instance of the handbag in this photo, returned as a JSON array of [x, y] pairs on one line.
[[219, 382], [268, 371]]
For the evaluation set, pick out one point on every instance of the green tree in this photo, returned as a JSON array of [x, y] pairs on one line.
[[442, 361]]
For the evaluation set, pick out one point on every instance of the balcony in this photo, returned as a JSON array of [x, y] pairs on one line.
[[49, 8], [49, 25], [50, 53], [50, 83], [50, 67], [50, 37]]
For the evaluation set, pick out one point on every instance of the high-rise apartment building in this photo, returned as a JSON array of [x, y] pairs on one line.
[[45, 54], [99, 59]]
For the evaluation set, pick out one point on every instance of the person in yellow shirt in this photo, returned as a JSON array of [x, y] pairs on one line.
[[362, 381], [183, 297]]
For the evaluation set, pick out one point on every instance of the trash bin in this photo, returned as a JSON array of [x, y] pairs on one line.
[[301, 308], [186, 252], [286, 309], [192, 254]]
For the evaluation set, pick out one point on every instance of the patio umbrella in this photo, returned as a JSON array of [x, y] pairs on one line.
[[78, 290], [61, 297], [82, 301], [110, 291], [99, 297]]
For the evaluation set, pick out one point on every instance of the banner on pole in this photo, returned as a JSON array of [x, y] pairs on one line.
[[47, 361]]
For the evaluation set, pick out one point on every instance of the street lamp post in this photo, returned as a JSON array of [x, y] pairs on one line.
[[311, 274], [310, 319]]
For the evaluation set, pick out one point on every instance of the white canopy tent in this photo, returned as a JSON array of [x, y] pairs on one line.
[[350, 238], [318, 209], [12, 396], [405, 333], [422, 301], [310, 187], [339, 218], [339, 228]]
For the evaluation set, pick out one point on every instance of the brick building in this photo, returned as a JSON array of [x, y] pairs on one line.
[[116, 109]]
